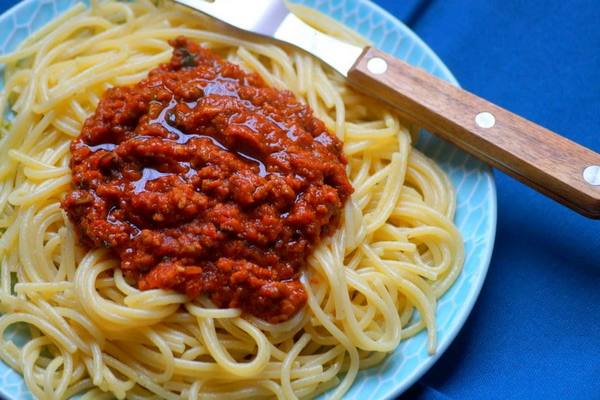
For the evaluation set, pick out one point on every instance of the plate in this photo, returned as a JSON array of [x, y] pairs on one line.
[[474, 182]]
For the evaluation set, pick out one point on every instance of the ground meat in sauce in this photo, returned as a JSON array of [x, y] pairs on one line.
[[204, 180]]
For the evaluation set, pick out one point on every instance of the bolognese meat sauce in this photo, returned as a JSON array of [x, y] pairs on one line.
[[203, 179]]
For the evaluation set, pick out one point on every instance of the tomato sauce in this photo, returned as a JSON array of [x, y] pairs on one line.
[[204, 180]]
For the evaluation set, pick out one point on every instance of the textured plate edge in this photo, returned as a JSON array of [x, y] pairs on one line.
[[413, 36]]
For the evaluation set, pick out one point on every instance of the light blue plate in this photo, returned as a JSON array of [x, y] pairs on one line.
[[476, 215]]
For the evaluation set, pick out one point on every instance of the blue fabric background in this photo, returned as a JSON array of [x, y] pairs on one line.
[[535, 330]]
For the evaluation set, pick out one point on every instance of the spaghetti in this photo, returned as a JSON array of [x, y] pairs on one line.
[[373, 283]]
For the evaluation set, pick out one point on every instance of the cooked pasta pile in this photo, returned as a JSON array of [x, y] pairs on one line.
[[371, 285]]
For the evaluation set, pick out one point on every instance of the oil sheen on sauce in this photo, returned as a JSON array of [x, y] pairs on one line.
[[204, 180]]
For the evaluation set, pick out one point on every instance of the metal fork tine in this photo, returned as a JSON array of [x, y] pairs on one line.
[[204, 6], [272, 19], [258, 16]]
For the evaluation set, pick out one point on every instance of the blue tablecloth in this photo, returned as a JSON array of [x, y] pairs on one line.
[[535, 330]]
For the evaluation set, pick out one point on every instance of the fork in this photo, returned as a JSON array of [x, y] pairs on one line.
[[555, 166]]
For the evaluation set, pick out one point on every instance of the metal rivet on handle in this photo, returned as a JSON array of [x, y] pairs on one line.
[[377, 65], [592, 175], [485, 120]]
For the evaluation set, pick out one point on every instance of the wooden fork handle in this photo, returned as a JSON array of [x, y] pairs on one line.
[[553, 165]]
